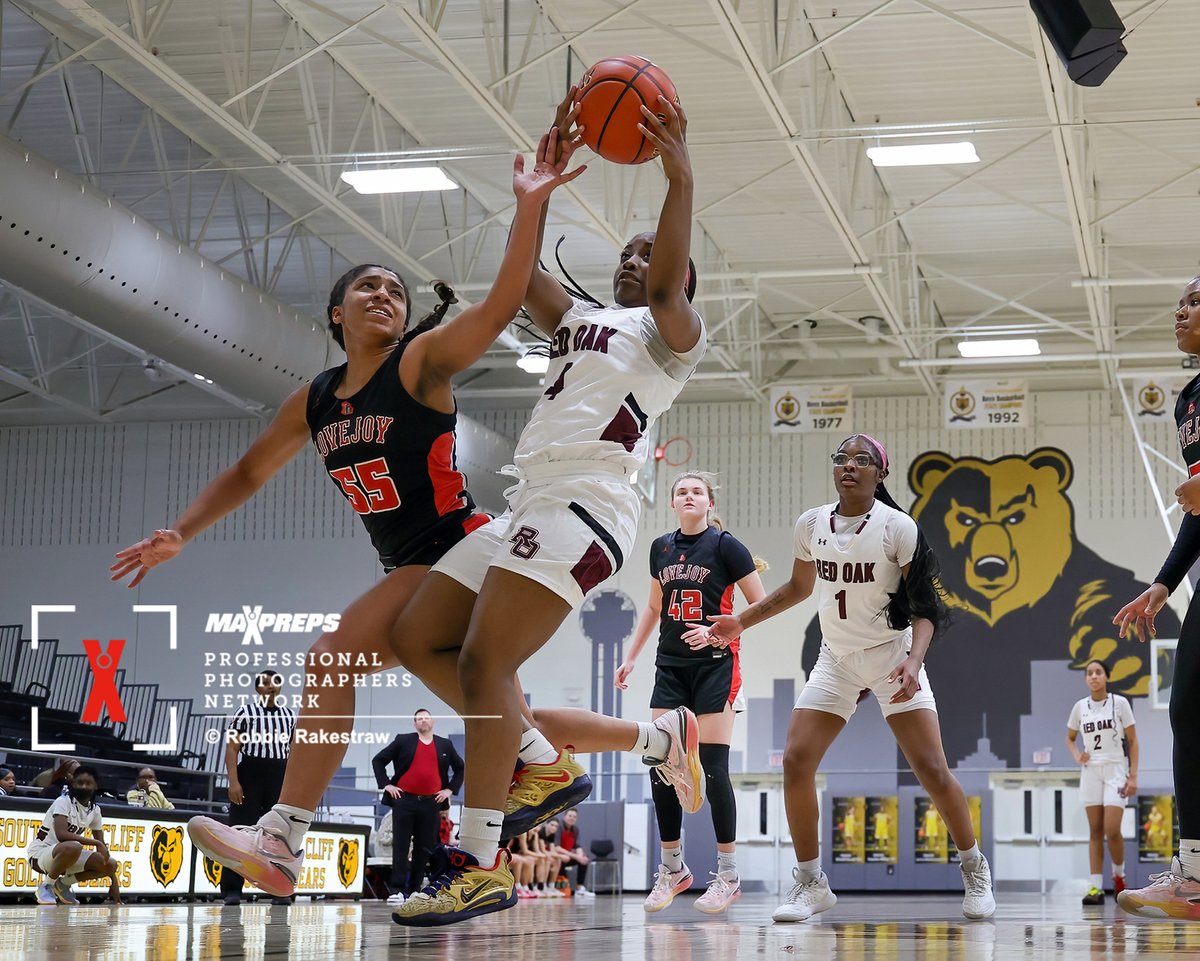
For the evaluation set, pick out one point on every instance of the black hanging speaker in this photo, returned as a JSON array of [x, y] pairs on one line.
[[1086, 34]]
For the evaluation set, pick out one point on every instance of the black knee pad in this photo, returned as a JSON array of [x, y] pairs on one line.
[[667, 810], [715, 758]]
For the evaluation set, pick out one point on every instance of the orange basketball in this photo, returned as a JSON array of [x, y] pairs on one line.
[[610, 101]]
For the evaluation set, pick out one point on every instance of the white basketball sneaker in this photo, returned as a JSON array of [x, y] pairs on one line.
[[978, 902], [807, 897]]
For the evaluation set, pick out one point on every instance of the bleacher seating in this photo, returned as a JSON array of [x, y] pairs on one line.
[[58, 682]]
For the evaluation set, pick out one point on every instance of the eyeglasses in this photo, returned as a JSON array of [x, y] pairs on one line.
[[860, 460]]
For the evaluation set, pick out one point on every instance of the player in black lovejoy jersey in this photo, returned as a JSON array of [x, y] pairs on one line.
[[392, 457], [693, 572], [1176, 893], [383, 423]]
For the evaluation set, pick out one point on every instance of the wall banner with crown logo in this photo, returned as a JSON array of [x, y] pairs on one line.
[[1154, 397], [798, 410], [986, 403]]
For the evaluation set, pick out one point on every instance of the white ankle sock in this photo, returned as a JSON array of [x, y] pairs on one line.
[[1097, 881], [727, 863], [1189, 857], [1118, 870], [294, 821], [535, 749], [479, 834], [651, 741], [809, 870], [672, 859], [971, 856]]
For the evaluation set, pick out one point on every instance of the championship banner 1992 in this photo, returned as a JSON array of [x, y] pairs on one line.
[[798, 410], [986, 403]]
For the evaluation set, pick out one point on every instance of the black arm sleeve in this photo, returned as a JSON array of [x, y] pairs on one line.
[[1183, 554]]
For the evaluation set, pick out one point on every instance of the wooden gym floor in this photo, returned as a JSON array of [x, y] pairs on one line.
[[895, 928]]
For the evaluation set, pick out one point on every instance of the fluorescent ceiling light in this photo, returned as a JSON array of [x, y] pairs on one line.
[[999, 348], [398, 180], [534, 363], [922, 154]]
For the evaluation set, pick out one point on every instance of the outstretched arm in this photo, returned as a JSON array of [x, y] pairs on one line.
[[545, 300], [454, 346], [229, 490], [674, 317], [725, 627]]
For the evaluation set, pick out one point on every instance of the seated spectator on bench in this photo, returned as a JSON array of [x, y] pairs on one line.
[[8, 781], [57, 780], [146, 791], [567, 844]]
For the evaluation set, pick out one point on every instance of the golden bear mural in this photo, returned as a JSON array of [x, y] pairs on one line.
[[1021, 587]]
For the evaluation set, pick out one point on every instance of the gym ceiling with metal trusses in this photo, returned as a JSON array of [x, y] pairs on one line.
[[226, 124]]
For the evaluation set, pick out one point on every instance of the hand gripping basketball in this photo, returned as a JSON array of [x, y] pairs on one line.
[[669, 136]]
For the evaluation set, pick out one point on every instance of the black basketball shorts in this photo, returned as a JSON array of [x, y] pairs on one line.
[[704, 688]]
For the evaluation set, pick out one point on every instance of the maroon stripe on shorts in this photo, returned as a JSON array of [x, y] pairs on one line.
[[593, 568]]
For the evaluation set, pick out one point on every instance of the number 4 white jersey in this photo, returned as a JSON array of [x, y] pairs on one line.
[[1102, 724], [859, 562], [611, 377]]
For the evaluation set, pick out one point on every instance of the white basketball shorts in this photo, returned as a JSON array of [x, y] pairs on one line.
[[835, 684], [1100, 782], [569, 526], [43, 856]]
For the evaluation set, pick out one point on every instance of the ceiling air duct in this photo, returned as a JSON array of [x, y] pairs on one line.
[[72, 246]]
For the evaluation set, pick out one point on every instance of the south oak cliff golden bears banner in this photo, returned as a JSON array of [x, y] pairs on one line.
[[334, 862], [155, 856], [1021, 587]]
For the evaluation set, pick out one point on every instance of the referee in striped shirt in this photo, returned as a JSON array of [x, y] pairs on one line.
[[261, 733]]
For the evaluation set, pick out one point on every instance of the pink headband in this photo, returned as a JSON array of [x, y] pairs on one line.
[[879, 447]]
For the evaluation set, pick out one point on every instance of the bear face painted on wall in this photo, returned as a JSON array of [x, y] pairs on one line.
[[1003, 529], [1021, 588]]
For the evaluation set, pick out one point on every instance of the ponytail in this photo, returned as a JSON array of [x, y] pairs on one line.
[[920, 594], [446, 295]]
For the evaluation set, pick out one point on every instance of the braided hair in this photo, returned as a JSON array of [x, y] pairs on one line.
[[446, 297], [576, 290]]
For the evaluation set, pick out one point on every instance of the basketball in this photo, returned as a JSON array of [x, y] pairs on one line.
[[610, 100]]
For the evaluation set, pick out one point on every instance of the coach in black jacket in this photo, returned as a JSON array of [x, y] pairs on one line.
[[422, 781]]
